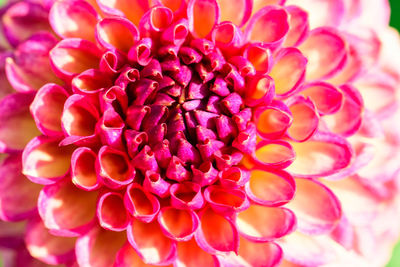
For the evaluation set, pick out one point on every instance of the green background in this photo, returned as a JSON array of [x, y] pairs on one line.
[[395, 22]]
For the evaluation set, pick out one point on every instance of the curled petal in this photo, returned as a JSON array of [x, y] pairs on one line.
[[127, 257], [110, 128], [44, 161], [203, 16], [65, 16], [191, 255], [83, 170], [47, 108], [117, 33], [186, 195], [124, 8], [150, 243], [288, 71], [226, 201], [216, 233], [90, 81], [67, 210], [327, 98], [48, 248], [227, 36], [325, 50], [305, 119], [178, 224], [98, 247], [268, 26], [348, 119], [273, 121], [260, 90], [114, 168], [18, 195], [155, 20], [234, 177], [72, 56], [270, 188], [335, 151], [259, 56], [111, 212], [298, 26], [143, 205], [316, 207], [260, 223], [16, 124], [238, 13], [277, 153]]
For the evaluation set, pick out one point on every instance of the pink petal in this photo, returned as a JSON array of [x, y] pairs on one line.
[[260, 223], [203, 16], [22, 20], [216, 233], [348, 119], [326, 97], [47, 108], [91, 81], [226, 201], [227, 36], [72, 56], [335, 151], [177, 224], [114, 168], [317, 209], [325, 50], [191, 255], [124, 8], [298, 26], [322, 13], [275, 154], [259, 56], [111, 212], [260, 89], [259, 4], [48, 248], [353, 68], [18, 195], [268, 26], [143, 205], [288, 70], [83, 170], [127, 257], [117, 33], [155, 20], [305, 119], [44, 161], [64, 17], [266, 254], [67, 210], [274, 120], [150, 243], [17, 126], [270, 188], [238, 13], [186, 195], [98, 247]]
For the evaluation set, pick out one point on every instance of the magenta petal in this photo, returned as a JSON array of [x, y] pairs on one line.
[[150, 243], [111, 212], [203, 16], [216, 233], [83, 170], [143, 205], [17, 126], [90, 81], [44, 161], [234, 177], [50, 249], [186, 195], [155, 20], [18, 195], [67, 210], [178, 224], [226, 200], [47, 108]]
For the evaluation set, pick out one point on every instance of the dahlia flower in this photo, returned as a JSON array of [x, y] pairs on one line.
[[199, 133]]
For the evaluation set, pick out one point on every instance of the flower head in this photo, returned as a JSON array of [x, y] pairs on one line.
[[198, 132]]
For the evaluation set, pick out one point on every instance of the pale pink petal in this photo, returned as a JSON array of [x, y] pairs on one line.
[[17, 126], [203, 16], [298, 26], [47, 108], [44, 161], [325, 50], [238, 13], [150, 243], [18, 195], [99, 247], [260, 223], [259, 4], [270, 188], [316, 207], [67, 210], [73, 19], [48, 248], [335, 151]]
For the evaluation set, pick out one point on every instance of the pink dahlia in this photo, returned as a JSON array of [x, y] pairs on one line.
[[200, 132]]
